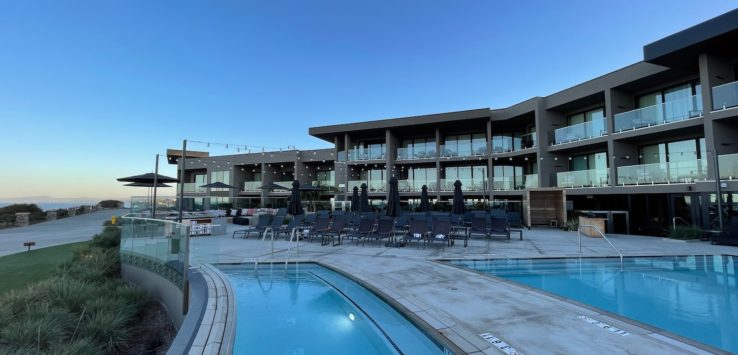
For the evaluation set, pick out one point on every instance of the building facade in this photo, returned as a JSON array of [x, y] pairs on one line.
[[644, 143]]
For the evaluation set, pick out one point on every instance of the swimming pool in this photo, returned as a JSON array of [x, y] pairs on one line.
[[693, 296], [309, 309]]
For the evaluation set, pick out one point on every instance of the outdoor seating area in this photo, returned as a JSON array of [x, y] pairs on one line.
[[442, 229]]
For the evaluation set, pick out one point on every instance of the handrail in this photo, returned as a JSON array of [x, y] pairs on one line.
[[295, 234], [579, 232], [674, 220], [271, 232]]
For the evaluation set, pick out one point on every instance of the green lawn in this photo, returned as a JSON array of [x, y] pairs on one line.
[[19, 270]]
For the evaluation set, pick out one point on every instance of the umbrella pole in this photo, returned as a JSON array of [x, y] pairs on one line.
[[181, 178], [156, 176]]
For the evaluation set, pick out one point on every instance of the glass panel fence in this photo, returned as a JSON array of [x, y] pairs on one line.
[[667, 112], [663, 173], [728, 166], [585, 130], [251, 186], [156, 245], [583, 178], [725, 96], [407, 154]]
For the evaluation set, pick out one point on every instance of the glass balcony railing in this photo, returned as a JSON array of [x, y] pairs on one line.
[[531, 181], [580, 131], [505, 144], [466, 184], [372, 185], [725, 96], [408, 154], [286, 184], [192, 187], [251, 186], [663, 113], [583, 178], [503, 183], [365, 154], [324, 183], [341, 156], [463, 150], [415, 185], [663, 173], [728, 166]]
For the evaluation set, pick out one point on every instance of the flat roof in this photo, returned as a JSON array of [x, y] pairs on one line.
[[680, 49], [327, 132]]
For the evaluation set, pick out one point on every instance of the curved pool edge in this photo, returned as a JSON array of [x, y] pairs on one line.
[[634, 326]]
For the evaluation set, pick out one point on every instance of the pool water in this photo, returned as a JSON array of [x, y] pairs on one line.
[[692, 296], [309, 309]]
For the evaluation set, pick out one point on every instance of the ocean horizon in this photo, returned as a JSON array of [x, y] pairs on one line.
[[53, 205]]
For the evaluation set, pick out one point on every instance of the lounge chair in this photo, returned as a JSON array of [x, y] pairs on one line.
[[385, 229], [337, 229], [418, 231], [499, 226], [321, 225], [401, 222], [364, 230], [295, 222], [514, 219], [728, 237], [262, 223], [441, 231]]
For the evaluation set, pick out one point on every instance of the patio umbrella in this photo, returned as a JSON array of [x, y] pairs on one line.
[[148, 178], [364, 199], [295, 206], [355, 200], [273, 186], [393, 202], [219, 185], [458, 207], [143, 184], [424, 203], [310, 187]]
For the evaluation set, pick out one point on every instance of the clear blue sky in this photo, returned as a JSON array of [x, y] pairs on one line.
[[92, 90]]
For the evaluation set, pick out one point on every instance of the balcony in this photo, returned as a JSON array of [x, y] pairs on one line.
[[251, 186], [193, 187], [462, 150], [725, 96], [365, 154], [466, 184], [372, 185], [410, 154], [728, 166], [663, 173], [667, 112], [520, 182], [581, 131], [324, 183], [583, 178], [415, 185], [506, 144]]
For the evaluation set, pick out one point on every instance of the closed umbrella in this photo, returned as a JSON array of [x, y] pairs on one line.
[[295, 206], [364, 199], [355, 200], [393, 202], [458, 207], [424, 203]]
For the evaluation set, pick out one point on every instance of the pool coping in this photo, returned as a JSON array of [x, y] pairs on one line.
[[656, 333], [417, 320], [216, 331]]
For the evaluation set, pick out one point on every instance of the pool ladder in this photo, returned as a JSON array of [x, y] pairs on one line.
[[294, 235], [579, 232]]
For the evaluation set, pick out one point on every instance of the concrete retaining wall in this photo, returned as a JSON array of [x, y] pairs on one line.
[[158, 287]]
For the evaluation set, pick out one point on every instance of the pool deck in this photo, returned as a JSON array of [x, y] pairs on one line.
[[461, 304]]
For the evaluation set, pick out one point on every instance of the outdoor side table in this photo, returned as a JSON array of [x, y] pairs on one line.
[[519, 230]]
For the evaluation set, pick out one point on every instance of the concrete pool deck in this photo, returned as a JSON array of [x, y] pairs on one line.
[[461, 304]]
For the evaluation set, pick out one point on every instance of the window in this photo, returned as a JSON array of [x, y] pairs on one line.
[[677, 151], [417, 148], [591, 161], [220, 176], [595, 115], [465, 145]]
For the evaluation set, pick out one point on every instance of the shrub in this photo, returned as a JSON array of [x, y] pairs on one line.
[[68, 292], [572, 224], [110, 203], [80, 346], [685, 232], [33, 333], [107, 329], [109, 238]]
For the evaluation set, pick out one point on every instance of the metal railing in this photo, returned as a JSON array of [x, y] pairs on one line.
[[263, 237], [579, 232], [674, 222], [294, 235]]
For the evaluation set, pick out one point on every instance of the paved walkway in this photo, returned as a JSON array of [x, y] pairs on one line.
[[461, 305], [61, 231]]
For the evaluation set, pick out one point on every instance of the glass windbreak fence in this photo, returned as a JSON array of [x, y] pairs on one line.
[[585, 130], [251, 186], [341, 156], [505, 144], [372, 185], [463, 150], [370, 153], [466, 184], [416, 185], [663, 113], [519, 182], [663, 173], [409, 153], [583, 178], [728, 166], [725, 96], [192, 187], [156, 245]]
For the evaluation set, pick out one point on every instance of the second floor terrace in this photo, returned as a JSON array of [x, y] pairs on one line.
[[725, 96]]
